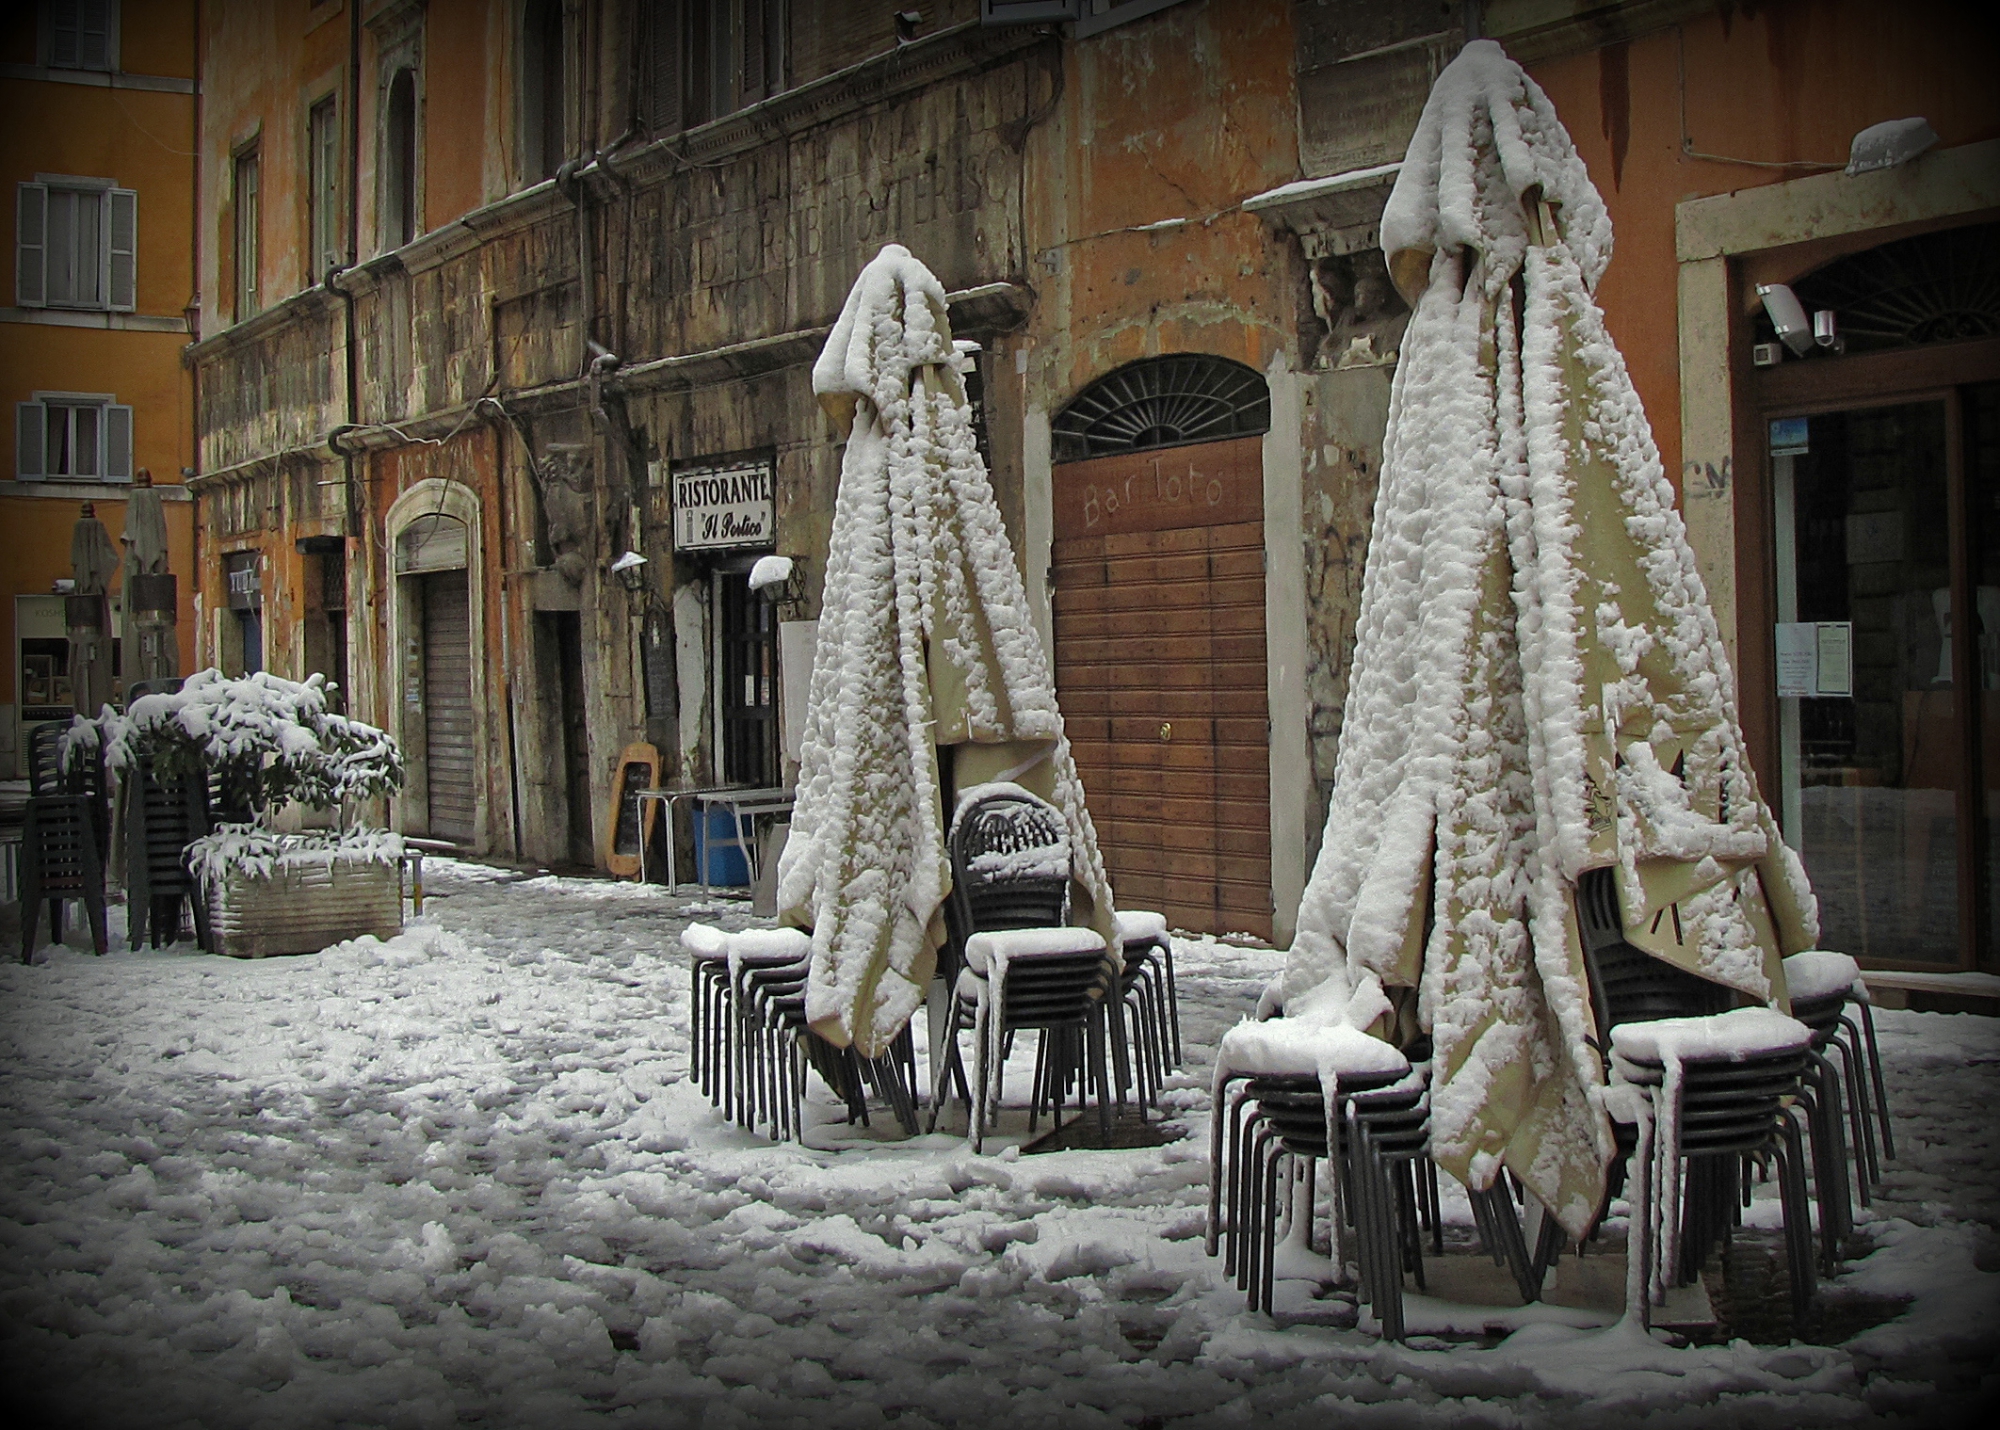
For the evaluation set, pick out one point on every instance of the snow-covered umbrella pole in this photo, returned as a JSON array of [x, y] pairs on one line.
[[924, 642], [1539, 685]]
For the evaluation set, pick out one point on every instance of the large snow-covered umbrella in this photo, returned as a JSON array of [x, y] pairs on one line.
[[1539, 685], [925, 651]]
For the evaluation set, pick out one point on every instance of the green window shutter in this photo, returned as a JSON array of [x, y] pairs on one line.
[[117, 443], [30, 428], [122, 252], [31, 255]]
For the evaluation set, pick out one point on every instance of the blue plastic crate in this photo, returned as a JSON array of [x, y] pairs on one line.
[[715, 852]]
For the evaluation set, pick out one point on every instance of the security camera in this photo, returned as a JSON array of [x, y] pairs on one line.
[[1788, 317], [1826, 333]]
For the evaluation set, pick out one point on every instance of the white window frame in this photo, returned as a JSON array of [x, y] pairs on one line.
[[54, 14], [114, 437], [115, 260]]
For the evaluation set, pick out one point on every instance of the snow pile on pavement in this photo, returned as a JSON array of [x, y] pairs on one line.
[[459, 1178]]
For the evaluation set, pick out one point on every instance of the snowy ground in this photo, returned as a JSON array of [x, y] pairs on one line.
[[459, 1179]]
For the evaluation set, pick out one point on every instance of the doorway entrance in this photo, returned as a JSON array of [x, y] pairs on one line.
[[1881, 547], [746, 670]]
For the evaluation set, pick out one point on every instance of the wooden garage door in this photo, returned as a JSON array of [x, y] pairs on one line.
[[448, 704], [1159, 632]]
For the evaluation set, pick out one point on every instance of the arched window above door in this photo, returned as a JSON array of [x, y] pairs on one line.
[[1939, 287], [1163, 402]]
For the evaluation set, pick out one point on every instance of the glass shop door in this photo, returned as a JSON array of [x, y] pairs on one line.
[[1887, 532]]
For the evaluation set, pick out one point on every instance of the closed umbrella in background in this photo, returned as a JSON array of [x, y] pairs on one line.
[[93, 562], [927, 678], [152, 644], [1539, 685]]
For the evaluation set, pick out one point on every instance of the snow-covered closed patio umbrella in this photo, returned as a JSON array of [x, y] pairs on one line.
[[1539, 687], [925, 651]]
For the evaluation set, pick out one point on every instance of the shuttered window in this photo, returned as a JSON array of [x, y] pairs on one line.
[[76, 245], [78, 34], [703, 59], [245, 248], [323, 187], [59, 437]]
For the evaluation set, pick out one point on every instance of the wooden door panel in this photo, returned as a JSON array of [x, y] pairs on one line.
[[1159, 621]]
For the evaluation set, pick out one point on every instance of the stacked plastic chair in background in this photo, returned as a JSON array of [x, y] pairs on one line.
[[1824, 986], [162, 817], [63, 841]]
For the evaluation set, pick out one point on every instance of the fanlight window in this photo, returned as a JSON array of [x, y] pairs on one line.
[[1163, 402], [1934, 288]]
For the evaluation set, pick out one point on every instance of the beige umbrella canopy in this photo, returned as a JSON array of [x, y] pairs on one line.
[[925, 651], [1540, 688]]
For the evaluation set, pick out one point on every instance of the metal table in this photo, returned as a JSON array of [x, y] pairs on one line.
[[744, 806], [744, 803]]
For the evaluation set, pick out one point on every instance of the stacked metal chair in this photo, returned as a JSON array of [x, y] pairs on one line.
[[1015, 965], [62, 848], [751, 1043], [1146, 1033], [1733, 1109], [1824, 987], [1270, 1131]]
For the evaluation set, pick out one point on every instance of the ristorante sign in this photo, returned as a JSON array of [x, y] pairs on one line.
[[725, 506]]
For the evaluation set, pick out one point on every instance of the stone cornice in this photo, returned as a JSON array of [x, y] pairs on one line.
[[986, 308]]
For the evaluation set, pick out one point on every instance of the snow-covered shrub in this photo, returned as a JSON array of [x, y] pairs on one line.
[[267, 739]]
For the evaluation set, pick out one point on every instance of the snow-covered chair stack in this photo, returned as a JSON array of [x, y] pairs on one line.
[[751, 1042], [1823, 986], [1146, 1034], [1015, 965], [1290, 1093], [1712, 1088]]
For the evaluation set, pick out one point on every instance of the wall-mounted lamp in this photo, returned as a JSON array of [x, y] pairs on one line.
[[630, 569], [1788, 317], [781, 580]]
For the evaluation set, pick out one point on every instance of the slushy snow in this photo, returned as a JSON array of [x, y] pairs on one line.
[[459, 1177]]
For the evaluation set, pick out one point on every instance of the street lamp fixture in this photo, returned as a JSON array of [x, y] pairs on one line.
[[630, 569]]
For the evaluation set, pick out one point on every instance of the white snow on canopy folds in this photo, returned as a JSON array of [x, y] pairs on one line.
[[1539, 687], [924, 641]]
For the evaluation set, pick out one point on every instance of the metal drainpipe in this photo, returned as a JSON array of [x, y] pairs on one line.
[[188, 473], [332, 282]]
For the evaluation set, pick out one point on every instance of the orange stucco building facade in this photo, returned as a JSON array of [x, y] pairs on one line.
[[92, 118]]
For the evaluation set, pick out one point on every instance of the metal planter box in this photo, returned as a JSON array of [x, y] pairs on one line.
[[303, 906]]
